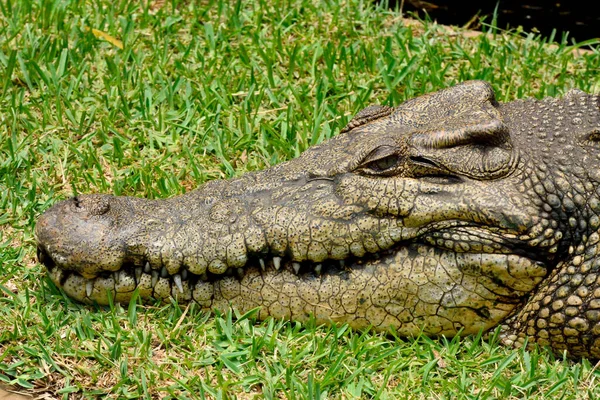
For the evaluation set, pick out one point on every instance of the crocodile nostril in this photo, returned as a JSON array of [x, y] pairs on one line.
[[92, 204]]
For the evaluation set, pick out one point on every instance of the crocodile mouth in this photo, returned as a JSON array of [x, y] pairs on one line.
[[184, 279], [157, 282]]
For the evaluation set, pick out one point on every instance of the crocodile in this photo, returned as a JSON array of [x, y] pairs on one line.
[[451, 213]]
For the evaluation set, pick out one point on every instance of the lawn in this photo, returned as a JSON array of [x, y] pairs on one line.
[[152, 100]]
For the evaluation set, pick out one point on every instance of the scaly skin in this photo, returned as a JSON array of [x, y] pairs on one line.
[[450, 212]]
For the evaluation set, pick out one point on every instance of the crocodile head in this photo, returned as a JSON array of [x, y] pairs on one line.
[[425, 218]]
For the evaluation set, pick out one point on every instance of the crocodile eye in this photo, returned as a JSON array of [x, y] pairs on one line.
[[384, 164], [384, 160]]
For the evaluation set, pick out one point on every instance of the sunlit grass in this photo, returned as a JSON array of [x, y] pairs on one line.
[[206, 90]]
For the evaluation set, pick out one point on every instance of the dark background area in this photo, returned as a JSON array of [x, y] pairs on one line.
[[580, 18]]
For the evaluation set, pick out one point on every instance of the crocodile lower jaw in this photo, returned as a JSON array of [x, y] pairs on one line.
[[186, 286]]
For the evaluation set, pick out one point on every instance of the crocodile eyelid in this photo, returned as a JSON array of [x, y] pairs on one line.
[[379, 153], [424, 161]]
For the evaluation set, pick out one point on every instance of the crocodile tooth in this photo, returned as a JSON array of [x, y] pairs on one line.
[[184, 274], [147, 268], [154, 278], [277, 262], [89, 286], [296, 267], [240, 273], [41, 255], [342, 263], [164, 273], [138, 273], [204, 277], [59, 274], [318, 269], [262, 264], [117, 277], [177, 279]]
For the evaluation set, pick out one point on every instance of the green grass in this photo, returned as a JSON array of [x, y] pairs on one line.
[[207, 90]]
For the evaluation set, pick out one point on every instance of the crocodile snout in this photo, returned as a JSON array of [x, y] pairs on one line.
[[78, 234]]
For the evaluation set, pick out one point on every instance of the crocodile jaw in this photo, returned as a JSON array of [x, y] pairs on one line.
[[414, 288]]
